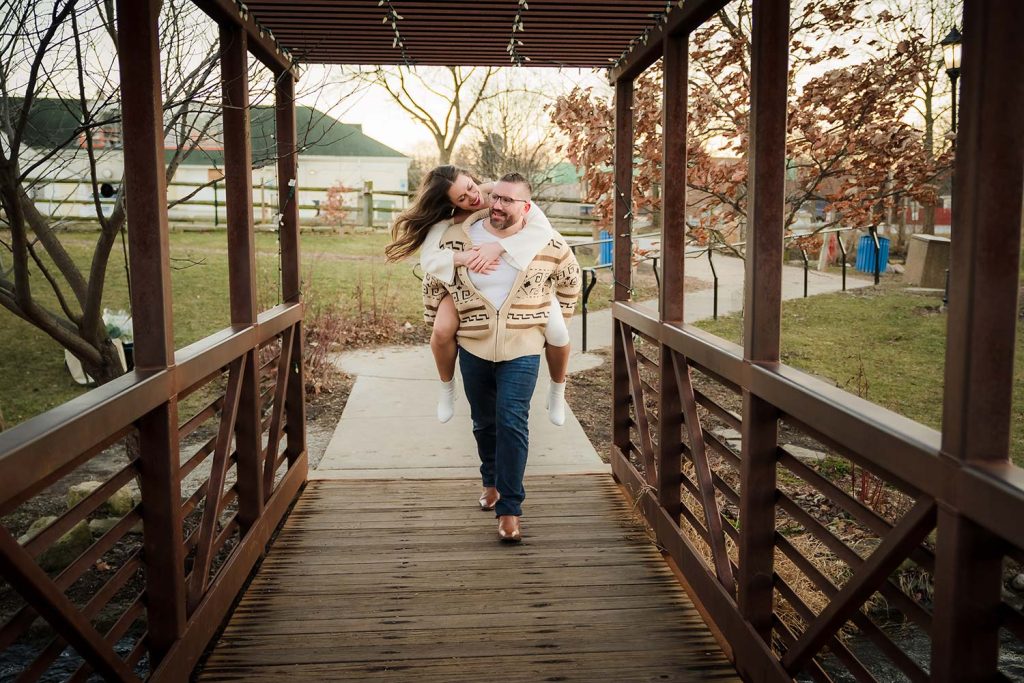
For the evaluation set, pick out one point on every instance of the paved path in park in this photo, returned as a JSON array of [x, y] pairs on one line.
[[389, 430]]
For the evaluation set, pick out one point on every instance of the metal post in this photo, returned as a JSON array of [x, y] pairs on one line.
[[842, 250], [216, 207], [586, 298], [762, 316], [714, 276], [149, 245], [803, 255], [878, 254], [984, 280]]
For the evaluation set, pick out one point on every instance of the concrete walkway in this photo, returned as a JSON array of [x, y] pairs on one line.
[[389, 430]]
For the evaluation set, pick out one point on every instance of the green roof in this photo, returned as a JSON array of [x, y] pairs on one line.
[[318, 134], [53, 123]]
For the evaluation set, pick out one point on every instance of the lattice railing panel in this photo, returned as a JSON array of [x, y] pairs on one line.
[[74, 601], [853, 586]]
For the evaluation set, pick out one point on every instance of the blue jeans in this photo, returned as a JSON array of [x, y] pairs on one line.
[[499, 401]]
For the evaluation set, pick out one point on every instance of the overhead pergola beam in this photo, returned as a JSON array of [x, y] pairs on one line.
[[260, 41], [681, 21], [558, 33]]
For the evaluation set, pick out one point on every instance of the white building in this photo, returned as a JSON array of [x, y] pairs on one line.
[[334, 155]]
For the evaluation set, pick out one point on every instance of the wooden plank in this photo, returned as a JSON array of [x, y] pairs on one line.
[[348, 593]]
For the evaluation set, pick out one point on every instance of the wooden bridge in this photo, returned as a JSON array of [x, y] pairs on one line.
[[373, 580], [590, 596]]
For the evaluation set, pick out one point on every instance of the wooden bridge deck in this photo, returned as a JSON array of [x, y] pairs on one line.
[[405, 580]]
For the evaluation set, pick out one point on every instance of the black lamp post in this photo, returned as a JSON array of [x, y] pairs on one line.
[[951, 58]]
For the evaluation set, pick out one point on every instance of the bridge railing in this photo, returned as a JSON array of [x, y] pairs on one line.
[[854, 574], [193, 458], [138, 572], [829, 569]]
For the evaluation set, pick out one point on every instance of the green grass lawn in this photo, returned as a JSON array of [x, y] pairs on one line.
[[348, 270], [345, 269], [886, 341], [886, 344]]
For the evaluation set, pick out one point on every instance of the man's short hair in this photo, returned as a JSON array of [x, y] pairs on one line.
[[517, 178]]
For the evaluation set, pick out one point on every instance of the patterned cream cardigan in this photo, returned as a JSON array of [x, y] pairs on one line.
[[517, 328]]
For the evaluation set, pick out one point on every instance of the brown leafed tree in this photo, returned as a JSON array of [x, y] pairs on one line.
[[933, 19], [849, 144]]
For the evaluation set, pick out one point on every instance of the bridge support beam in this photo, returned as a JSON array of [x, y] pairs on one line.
[[149, 247], [673, 249], [622, 268], [234, 55], [987, 193], [763, 309], [288, 232]]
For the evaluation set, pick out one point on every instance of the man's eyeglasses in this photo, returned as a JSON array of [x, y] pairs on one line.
[[505, 201]]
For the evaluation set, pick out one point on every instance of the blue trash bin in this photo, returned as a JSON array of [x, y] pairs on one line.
[[605, 254], [866, 254]]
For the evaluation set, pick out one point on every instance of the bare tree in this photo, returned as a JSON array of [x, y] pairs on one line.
[[444, 100], [511, 133], [58, 62]]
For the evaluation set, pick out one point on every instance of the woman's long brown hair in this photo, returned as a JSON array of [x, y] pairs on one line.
[[430, 206]]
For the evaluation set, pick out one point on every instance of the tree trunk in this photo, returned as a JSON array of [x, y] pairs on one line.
[[110, 368], [928, 218]]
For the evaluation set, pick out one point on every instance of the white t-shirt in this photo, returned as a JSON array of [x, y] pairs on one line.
[[496, 285]]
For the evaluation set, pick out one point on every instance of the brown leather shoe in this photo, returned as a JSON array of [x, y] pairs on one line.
[[489, 498], [508, 529]]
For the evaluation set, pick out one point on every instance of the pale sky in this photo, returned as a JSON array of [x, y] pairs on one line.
[[384, 120]]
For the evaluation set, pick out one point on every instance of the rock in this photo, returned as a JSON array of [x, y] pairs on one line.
[[36, 527], [66, 549], [119, 504], [81, 491], [895, 268], [805, 454], [728, 434], [1017, 583], [98, 527]]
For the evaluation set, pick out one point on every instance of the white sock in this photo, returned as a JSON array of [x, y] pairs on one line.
[[446, 401], [556, 403]]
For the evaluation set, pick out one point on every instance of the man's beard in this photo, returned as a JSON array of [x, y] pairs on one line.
[[504, 222]]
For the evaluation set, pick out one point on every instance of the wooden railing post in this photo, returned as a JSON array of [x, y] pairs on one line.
[[149, 246], [241, 264], [367, 203], [622, 270], [673, 245], [984, 279], [763, 300], [287, 178]]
